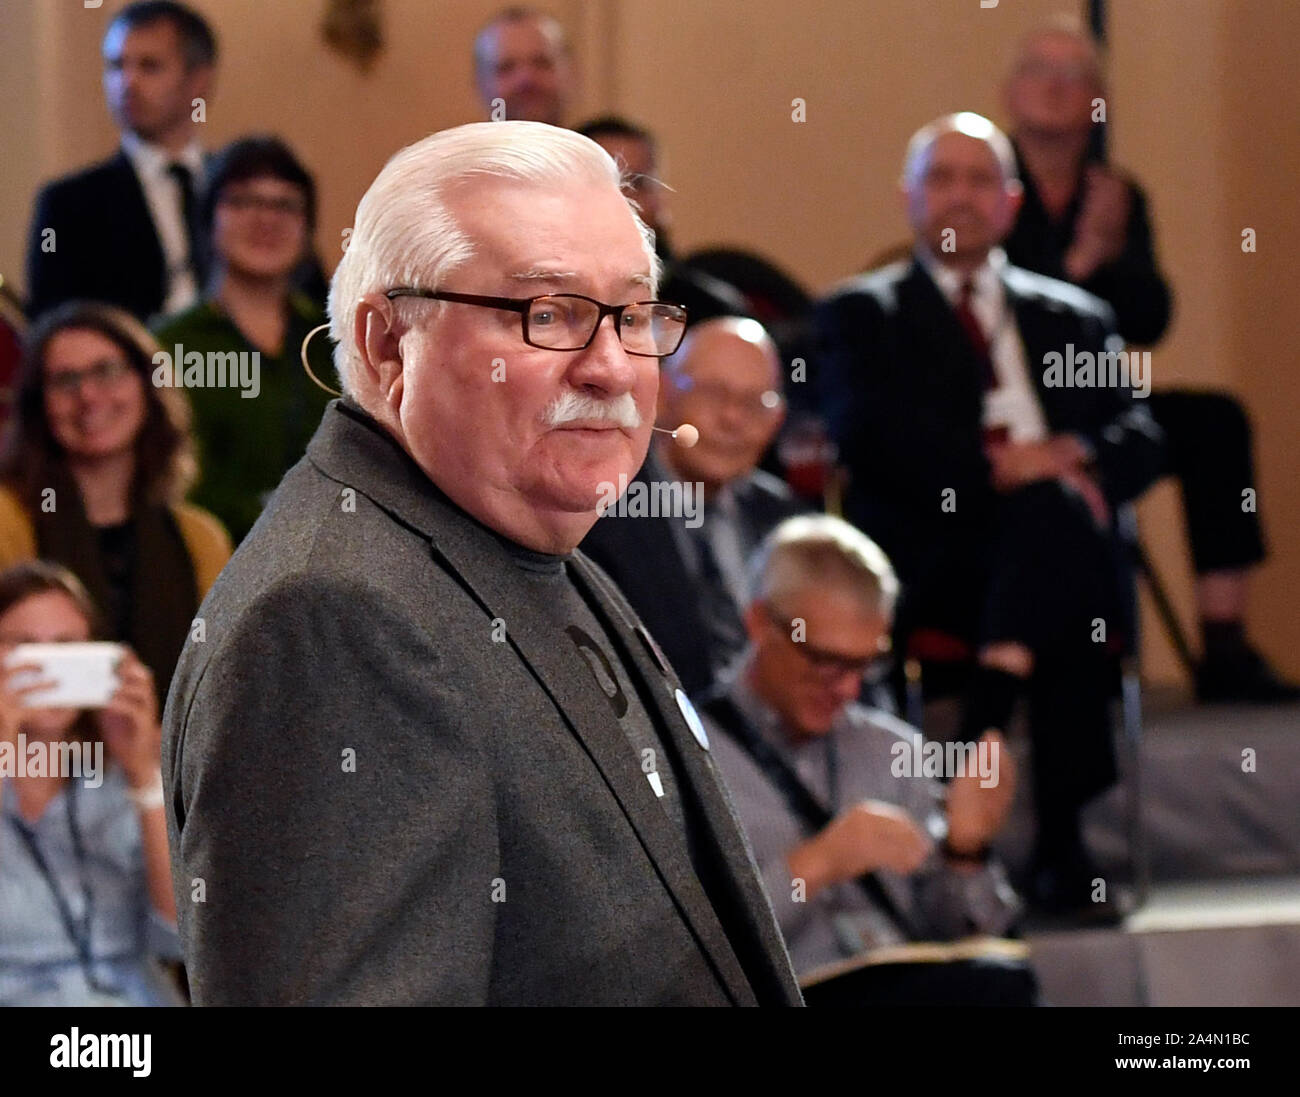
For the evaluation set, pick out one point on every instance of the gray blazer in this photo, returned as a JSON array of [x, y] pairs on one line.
[[370, 800]]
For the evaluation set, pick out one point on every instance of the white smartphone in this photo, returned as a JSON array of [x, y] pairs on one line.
[[84, 675]]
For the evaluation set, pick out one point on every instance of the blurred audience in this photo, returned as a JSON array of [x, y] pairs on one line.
[[86, 899], [124, 231], [816, 781], [522, 67], [636, 152], [1085, 222], [94, 476], [256, 218], [993, 491], [729, 282], [685, 573]]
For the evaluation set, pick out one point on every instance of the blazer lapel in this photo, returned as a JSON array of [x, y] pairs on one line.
[[738, 898], [1042, 330], [132, 212], [490, 576], [942, 349]]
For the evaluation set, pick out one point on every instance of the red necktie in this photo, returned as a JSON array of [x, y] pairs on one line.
[[975, 333], [980, 344]]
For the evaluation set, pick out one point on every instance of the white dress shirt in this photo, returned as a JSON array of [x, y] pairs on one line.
[[1013, 404], [162, 194]]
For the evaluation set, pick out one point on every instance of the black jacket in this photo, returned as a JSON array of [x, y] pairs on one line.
[[105, 246], [904, 399], [1132, 283], [643, 556]]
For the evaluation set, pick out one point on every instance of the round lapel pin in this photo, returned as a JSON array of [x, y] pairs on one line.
[[692, 719]]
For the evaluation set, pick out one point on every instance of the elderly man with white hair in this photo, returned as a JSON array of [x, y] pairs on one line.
[[420, 750]]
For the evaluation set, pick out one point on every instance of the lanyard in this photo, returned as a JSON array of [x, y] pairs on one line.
[[832, 773], [78, 930], [801, 801]]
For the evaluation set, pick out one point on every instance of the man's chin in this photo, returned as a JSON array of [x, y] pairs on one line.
[[585, 494]]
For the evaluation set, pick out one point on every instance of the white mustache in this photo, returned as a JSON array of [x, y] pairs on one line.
[[571, 405]]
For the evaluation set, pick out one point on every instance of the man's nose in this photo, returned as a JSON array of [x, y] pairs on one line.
[[605, 364]]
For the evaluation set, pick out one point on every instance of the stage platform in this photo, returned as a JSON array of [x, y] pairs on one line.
[[1221, 821]]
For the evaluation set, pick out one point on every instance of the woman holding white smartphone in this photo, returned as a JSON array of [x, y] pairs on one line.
[[86, 901]]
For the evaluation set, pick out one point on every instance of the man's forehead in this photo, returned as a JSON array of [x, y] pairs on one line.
[[727, 352], [159, 36], [960, 149], [519, 37], [1053, 43], [544, 240]]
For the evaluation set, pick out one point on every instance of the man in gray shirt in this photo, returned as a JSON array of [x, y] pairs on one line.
[[820, 615]]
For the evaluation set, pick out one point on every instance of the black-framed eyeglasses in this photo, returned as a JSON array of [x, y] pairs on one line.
[[829, 664], [103, 373], [569, 321]]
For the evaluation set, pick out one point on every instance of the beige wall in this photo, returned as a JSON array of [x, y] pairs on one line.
[[1204, 111]]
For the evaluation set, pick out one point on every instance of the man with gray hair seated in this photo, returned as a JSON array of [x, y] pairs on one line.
[[842, 804], [419, 749]]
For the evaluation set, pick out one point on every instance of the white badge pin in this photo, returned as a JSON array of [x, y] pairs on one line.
[[692, 719]]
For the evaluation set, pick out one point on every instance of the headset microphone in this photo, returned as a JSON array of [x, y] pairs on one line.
[[685, 436]]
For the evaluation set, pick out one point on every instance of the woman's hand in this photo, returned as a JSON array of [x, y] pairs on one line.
[[129, 723], [13, 705]]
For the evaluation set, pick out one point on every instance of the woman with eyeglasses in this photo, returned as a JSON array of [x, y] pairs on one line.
[[255, 220], [86, 901], [94, 477]]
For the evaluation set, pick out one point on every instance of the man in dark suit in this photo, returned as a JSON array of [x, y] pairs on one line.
[[990, 471], [423, 751], [685, 573], [123, 231]]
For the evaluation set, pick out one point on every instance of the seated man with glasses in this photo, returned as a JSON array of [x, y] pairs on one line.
[[427, 754], [842, 805], [684, 573], [253, 423]]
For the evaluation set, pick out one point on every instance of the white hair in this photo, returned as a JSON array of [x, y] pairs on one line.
[[969, 124], [404, 234], [820, 551]]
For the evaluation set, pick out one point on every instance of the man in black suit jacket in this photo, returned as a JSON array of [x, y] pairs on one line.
[[990, 469], [123, 231], [425, 752], [685, 573]]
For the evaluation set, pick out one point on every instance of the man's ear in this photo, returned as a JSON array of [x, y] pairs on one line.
[[375, 335], [202, 79], [778, 419], [756, 621]]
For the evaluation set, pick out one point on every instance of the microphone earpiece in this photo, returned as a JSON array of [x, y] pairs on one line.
[[685, 436]]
